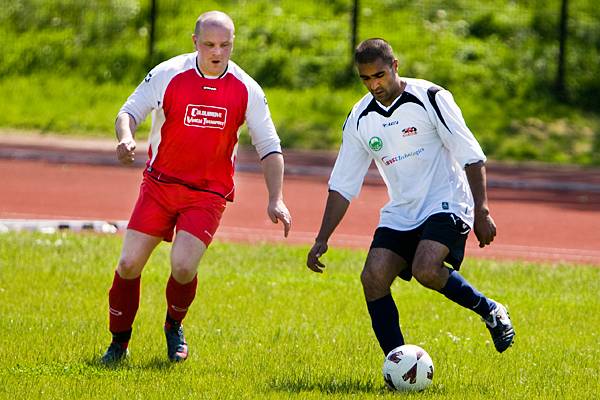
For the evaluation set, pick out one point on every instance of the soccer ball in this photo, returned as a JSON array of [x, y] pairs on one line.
[[408, 368]]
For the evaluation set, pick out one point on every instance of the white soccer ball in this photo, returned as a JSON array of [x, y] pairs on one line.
[[408, 368]]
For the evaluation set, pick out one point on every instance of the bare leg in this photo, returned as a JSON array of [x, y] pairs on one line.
[[381, 268], [137, 248], [181, 290], [124, 294], [428, 265], [430, 271], [185, 256]]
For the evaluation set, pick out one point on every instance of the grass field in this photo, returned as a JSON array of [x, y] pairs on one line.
[[264, 327]]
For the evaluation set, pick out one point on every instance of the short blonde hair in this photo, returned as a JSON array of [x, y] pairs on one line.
[[213, 17]]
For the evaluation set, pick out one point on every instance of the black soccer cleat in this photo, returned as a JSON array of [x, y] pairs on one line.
[[114, 354], [177, 348], [500, 327]]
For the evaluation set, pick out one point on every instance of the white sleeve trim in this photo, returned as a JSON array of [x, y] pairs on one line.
[[344, 194]]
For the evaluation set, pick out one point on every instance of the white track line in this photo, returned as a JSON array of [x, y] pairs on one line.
[[256, 235]]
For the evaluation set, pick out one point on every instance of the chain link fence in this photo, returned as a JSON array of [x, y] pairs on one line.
[[287, 43]]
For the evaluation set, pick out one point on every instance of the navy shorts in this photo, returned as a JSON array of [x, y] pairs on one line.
[[444, 228]]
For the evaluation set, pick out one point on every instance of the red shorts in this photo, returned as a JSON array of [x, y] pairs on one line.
[[161, 207]]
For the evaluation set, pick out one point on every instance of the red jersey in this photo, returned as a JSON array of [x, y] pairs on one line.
[[196, 121]]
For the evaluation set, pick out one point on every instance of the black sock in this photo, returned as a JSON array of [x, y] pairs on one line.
[[170, 322], [461, 292], [385, 322], [122, 338]]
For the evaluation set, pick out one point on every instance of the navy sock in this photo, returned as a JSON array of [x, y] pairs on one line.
[[461, 292], [385, 322]]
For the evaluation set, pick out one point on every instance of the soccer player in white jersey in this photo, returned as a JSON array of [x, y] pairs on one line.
[[434, 170], [199, 101]]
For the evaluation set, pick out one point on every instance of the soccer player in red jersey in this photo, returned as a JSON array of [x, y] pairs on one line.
[[199, 101]]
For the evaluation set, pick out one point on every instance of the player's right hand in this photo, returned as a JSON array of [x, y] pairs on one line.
[[312, 262], [126, 151]]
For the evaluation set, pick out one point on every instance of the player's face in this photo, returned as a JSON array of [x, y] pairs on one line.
[[381, 79], [214, 45]]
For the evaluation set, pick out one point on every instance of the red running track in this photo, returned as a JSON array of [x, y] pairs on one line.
[[553, 226]]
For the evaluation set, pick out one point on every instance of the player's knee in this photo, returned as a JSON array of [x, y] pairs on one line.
[[427, 275], [374, 284], [183, 272], [366, 277], [129, 268]]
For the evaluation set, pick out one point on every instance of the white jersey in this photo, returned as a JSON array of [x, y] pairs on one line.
[[420, 145]]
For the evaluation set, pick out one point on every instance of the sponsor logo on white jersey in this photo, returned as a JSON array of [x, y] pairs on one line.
[[202, 116], [375, 143], [410, 131], [389, 160]]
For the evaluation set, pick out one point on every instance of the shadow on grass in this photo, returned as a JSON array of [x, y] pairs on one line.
[[96, 363], [156, 363], [159, 364], [329, 385]]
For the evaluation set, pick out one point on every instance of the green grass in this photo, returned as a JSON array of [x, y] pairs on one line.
[[265, 327], [71, 106]]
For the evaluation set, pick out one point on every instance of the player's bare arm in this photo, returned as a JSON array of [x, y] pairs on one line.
[[272, 166], [125, 127], [484, 225], [335, 209]]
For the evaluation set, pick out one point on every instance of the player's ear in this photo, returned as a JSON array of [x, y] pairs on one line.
[[195, 40], [395, 65]]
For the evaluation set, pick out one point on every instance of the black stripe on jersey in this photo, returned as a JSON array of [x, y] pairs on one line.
[[268, 154], [202, 75], [431, 92], [224, 72], [405, 97], [346, 120], [198, 68]]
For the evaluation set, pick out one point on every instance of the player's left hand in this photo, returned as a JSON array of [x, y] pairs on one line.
[[277, 211], [485, 229]]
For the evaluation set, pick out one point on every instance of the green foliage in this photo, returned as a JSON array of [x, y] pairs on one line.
[[275, 330], [99, 40], [321, 124], [497, 57]]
